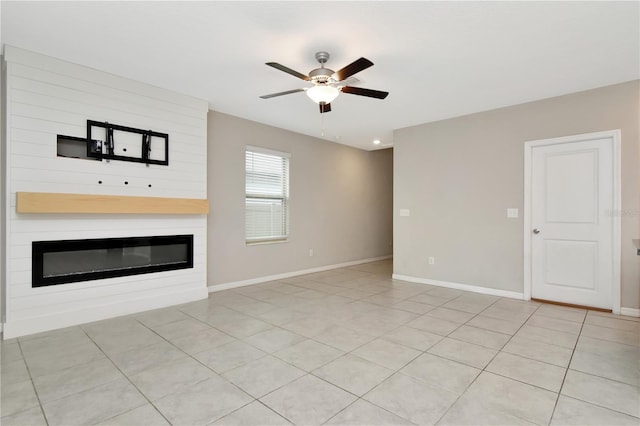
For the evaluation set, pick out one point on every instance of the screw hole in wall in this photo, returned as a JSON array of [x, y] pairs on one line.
[[126, 183], [100, 182], [149, 185]]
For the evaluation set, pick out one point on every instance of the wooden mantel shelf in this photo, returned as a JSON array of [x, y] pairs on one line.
[[43, 202]]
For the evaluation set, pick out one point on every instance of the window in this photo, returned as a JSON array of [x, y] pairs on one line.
[[266, 195]]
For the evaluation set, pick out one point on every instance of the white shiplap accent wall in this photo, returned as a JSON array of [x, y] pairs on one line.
[[46, 97]]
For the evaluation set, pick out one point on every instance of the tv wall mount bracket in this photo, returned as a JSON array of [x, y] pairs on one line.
[[107, 151], [120, 143]]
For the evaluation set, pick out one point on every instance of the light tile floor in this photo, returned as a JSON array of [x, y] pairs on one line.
[[342, 347]]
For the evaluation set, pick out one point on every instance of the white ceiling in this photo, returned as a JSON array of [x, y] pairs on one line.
[[437, 59]]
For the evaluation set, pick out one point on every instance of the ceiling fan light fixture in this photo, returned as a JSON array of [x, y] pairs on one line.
[[321, 93]]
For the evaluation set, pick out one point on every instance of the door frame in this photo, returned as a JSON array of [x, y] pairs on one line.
[[615, 137]]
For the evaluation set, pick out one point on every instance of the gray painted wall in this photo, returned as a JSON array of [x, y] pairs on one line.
[[459, 176], [341, 202]]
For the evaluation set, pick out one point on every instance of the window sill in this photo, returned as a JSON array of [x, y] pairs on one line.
[[265, 242]]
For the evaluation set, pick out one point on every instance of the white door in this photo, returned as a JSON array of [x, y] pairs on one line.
[[572, 232]]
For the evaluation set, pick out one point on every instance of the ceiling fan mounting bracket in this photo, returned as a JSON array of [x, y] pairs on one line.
[[322, 57]]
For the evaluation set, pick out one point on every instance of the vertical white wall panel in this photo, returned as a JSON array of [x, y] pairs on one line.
[[46, 97]]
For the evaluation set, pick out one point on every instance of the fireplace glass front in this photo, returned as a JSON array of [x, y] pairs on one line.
[[68, 261]]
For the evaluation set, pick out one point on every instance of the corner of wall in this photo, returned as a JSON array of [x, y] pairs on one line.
[[3, 183]]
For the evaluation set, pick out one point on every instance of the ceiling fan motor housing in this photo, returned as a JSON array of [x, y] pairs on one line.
[[321, 75]]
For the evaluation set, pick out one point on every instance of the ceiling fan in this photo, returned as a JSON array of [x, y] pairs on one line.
[[327, 84]]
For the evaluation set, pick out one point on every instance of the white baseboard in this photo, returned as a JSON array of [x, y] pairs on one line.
[[465, 287], [258, 280], [96, 313], [630, 312]]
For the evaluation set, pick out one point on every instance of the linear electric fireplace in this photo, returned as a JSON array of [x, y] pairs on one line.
[[68, 261]]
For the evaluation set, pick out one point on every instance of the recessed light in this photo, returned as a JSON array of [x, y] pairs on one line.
[[376, 142]]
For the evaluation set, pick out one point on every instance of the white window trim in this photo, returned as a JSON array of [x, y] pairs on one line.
[[274, 240], [266, 151]]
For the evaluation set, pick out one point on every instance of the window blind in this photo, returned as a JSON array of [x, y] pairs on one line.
[[266, 195]]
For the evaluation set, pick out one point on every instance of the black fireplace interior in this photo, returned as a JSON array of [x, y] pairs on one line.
[[68, 261]]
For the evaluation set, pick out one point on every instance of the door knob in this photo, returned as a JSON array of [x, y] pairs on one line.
[[536, 231]]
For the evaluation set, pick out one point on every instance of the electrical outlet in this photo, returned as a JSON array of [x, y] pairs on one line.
[[432, 260], [310, 252]]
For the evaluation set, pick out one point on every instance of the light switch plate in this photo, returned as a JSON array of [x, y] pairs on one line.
[[512, 213], [405, 212]]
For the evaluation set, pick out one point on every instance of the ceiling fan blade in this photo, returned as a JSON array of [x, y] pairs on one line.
[[324, 108], [365, 92], [351, 81], [288, 70], [288, 92], [354, 67]]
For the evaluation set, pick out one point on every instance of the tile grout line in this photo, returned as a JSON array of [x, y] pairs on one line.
[[200, 381], [538, 341], [593, 375], [240, 408], [358, 397], [189, 356], [601, 406], [33, 385], [484, 368], [128, 379], [564, 378], [397, 371], [475, 378], [307, 373], [310, 373]]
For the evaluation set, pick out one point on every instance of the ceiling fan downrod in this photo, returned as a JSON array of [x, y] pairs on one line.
[[322, 75]]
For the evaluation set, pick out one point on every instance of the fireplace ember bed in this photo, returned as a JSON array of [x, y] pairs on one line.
[[69, 261]]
